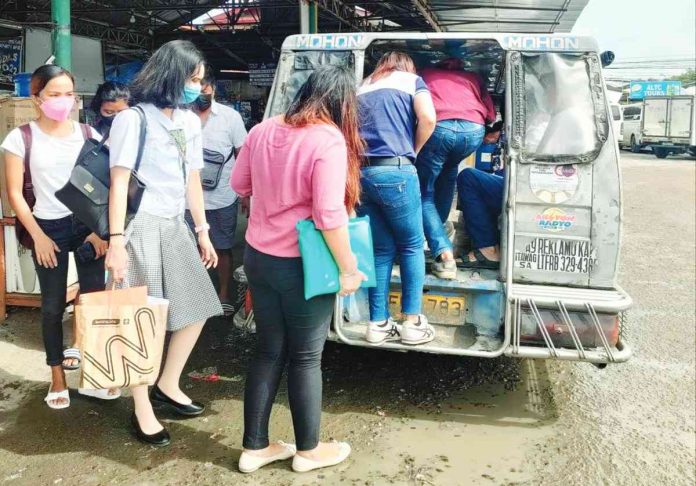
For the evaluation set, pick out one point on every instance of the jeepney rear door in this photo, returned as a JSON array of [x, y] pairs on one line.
[[565, 192]]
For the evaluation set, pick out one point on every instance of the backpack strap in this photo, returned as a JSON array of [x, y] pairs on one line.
[[27, 137], [86, 131], [141, 141]]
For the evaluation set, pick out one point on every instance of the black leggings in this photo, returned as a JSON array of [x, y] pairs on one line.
[[68, 234], [288, 329]]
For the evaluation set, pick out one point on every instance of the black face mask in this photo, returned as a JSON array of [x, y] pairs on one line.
[[203, 102], [106, 120]]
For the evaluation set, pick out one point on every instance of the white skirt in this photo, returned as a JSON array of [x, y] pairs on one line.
[[163, 255]]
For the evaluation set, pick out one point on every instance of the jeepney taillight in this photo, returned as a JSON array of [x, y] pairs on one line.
[[560, 332]]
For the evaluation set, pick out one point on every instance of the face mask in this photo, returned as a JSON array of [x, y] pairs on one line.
[[58, 108], [107, 120], [204, 101], [191, 93]]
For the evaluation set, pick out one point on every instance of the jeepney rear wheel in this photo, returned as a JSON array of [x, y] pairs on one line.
[[635, 148]]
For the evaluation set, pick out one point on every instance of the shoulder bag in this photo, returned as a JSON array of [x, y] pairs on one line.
[[321, 275], [213, 163], [86, 193]]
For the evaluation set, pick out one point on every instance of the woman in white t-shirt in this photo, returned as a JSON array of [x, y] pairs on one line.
[[56, 142], [157, 249]]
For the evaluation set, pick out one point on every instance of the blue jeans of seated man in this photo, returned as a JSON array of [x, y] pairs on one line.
[[391, 198], [481, 201], [438, 164]]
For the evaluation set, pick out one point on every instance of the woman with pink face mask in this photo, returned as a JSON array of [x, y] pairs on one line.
[[55, 142]]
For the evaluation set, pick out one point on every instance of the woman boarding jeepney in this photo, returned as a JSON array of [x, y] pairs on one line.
[[158, 249], [396, 119]]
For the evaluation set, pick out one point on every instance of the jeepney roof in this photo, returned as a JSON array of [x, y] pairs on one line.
[[508, 41]]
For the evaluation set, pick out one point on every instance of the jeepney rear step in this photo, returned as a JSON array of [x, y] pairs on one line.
[[474, 296], [567, 323]]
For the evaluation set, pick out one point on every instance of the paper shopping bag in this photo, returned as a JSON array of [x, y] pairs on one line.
[[121, 337]]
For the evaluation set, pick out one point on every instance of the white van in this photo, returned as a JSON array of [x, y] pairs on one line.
[[631, 136]]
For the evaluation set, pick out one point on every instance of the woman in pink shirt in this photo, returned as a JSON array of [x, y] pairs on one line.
[[304, 164]]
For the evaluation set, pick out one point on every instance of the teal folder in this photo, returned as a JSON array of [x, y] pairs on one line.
[[320, 269]]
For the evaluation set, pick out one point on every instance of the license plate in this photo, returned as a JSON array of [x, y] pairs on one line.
[[439, 309]]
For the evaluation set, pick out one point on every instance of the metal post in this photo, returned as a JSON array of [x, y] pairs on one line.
[[62, 43], [313, 18], [304, 17]]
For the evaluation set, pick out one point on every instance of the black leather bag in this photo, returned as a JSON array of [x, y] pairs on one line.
[[87, 192], [213, 163]]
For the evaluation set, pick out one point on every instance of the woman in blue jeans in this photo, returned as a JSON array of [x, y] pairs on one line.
[[463, 107], [397, 117]]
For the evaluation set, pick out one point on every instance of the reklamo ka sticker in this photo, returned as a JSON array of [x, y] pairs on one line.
[[552, 255]]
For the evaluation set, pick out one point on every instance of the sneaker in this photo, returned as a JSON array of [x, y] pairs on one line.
[[417, 332], [445, 269], [486, 343], [378, 333]]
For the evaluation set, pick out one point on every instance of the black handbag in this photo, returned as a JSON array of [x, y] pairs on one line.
[[213, 163], [86, 193]]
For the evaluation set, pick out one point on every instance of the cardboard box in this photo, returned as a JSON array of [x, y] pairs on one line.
[[13, 113]]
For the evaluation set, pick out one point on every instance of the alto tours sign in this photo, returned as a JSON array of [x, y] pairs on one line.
[[640, 90]]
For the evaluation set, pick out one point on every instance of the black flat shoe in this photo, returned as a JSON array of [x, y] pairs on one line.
[[160, 400], [160, 439]]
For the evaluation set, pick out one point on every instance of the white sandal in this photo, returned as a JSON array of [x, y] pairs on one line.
[[101, 394], [249, 463], [52, 396], [302, 464]]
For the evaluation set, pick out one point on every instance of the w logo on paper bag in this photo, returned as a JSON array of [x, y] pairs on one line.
[[116, 357]]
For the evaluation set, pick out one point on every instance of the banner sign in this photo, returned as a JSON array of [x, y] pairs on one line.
[[645, 89], [262, 73], [10, 59]]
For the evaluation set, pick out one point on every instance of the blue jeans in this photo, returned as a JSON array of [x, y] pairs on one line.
[[481, 201], [391, 198], [438, 163]]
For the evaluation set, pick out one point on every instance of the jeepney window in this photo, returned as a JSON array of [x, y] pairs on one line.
[[561, 118], [303, 64]]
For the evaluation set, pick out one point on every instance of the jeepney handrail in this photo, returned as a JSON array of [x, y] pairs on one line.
[[573, 332], [622, 354]]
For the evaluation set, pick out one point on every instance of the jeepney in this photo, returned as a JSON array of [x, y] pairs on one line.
[[556, 293]]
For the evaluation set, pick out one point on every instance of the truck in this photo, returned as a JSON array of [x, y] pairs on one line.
[[556, 294], [669, 125]]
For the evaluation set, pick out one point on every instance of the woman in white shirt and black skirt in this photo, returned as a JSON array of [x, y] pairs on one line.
[[158, 249]]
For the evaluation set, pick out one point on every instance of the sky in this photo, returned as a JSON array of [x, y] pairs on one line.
[[661, 32]]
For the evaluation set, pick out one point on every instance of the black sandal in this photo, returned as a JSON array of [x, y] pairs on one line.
[[481, 262]]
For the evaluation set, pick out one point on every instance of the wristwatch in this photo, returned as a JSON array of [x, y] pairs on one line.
[[202, 228]]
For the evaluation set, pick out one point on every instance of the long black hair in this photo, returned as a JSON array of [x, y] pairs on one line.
[[109, 91], [329, 96], [162, 79], [43, 74]]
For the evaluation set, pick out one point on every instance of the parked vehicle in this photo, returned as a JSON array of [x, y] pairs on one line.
[[669, 125], [617, 120], [631, 135], [556, 293]]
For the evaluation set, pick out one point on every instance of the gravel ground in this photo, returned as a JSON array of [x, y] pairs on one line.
[[416, 419]]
